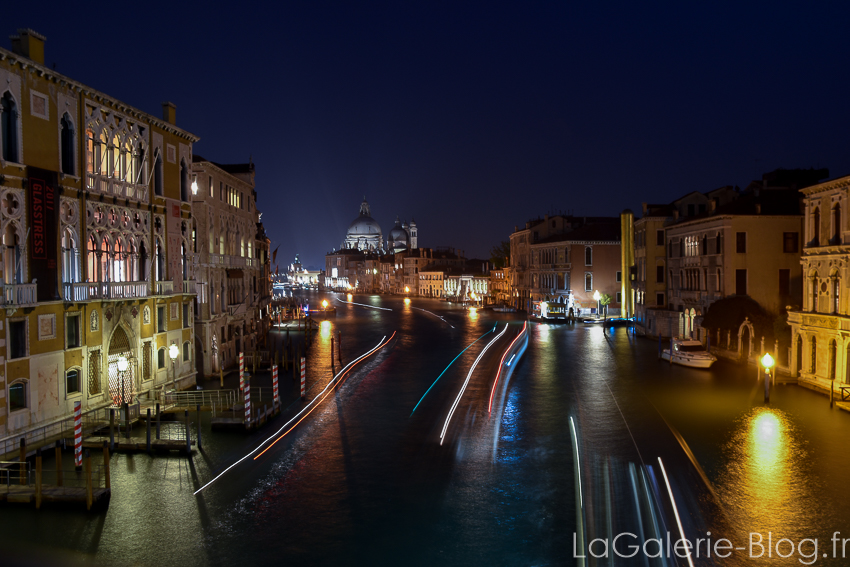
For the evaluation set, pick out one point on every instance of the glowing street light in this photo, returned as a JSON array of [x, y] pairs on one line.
[[597, 297], [767, 362], [324, 304], [173, 351], [406, 289], [194, 187]]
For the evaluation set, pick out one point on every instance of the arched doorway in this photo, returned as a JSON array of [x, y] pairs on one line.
[[122, 386], [745, 342]]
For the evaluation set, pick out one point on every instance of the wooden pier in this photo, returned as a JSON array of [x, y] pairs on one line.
[[87, 486]]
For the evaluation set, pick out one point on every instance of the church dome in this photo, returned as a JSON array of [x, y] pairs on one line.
[[398, 234], [364, 226], [364, 233]]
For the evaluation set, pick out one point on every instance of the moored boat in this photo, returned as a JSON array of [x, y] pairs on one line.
[[689, 353]]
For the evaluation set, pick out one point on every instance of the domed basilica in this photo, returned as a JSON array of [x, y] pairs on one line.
[[365, 234]]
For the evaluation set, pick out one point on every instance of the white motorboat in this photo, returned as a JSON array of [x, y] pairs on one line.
[[689, 353]]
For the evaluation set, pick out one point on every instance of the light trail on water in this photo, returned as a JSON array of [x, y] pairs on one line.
[[443, 319], [310, 406], [364, 305], [466, 382], [447, 367], [501, 363], [675, 509]]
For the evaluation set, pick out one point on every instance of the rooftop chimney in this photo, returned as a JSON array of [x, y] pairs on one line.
[[30, 44], [758, 208], [712, 205], [169, 112], [675, 214]]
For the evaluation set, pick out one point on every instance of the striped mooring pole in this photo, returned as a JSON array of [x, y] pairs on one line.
[[303, 378], [78, 434], [276, 399], [247, 402], [241, 371]]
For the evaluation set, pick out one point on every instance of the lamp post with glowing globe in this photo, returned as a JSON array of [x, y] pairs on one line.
[[173, 351], [597, 297], [767, 362]]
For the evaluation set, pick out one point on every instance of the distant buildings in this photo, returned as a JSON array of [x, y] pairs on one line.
[[565, 259], [232, 264]]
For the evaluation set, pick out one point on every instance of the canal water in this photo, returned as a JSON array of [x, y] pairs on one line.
[[588, 436]]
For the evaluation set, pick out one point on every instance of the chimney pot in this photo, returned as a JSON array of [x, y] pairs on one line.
[[169, 112], [29, 44]]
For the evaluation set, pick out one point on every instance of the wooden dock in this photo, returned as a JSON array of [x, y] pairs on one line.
[[27, 494], [137, 444], [95, 489], [233, 419]]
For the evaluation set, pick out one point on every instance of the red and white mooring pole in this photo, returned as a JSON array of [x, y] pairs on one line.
[[276, 399], [303, 378], [78, 434], [247, 402], [241, 372]]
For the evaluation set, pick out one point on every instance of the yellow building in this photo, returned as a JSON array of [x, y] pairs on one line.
[[97, 233], [820, 341]]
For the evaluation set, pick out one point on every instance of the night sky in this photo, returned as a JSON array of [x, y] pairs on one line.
[[471, 118]]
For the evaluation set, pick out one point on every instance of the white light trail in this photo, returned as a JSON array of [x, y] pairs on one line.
[[675, 509], [443, 319], [578, 462], [511, 360], [364, 305], [310, 405], [463, 389]]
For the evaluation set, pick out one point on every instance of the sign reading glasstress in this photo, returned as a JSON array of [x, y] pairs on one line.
[[43, 221]]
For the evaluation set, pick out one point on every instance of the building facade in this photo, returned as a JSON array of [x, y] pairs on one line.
[[749, 247], [820, 338], [232, 269], [98, 260]]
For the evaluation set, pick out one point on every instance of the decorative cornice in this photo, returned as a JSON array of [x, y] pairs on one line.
[[839, 183], [78, 87]]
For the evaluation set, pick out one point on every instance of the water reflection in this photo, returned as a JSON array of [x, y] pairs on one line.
[[325, 329], [763, 483], [473, 314]]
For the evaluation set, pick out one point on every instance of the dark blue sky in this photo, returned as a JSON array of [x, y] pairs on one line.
[[471, 117]]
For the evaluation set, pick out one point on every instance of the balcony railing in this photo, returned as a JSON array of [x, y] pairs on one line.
[[189, 286], [19, 294], [232, 261], [164, 288], [87, 291], [112, 186]]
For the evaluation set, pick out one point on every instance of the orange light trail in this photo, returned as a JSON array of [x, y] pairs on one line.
[[501, 363], [381, 344], [339, 383]]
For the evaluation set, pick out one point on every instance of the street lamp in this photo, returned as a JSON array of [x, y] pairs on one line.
[[767, 362], [597, 297], [173, 351]]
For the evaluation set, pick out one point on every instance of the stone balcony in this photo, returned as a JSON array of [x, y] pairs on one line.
[[87, 291], [19, 294]]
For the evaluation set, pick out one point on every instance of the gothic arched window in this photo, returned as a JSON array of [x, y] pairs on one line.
[[9, 127]]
